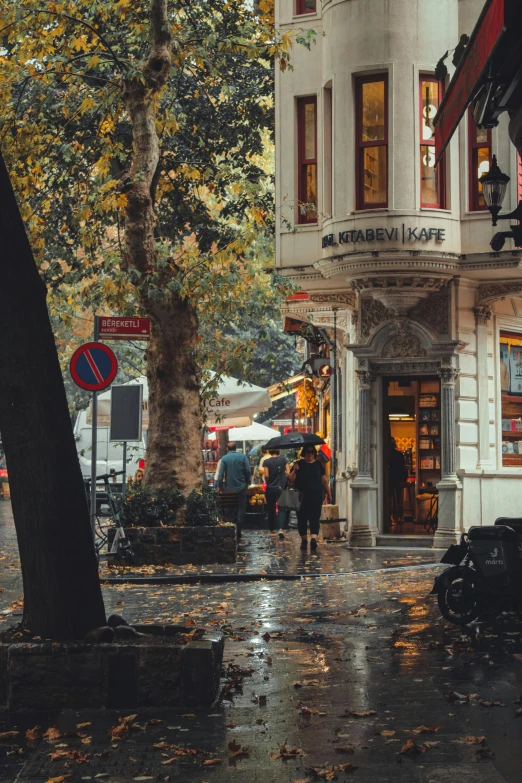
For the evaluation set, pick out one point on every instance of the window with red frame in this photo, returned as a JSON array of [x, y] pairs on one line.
[[432, 177], [307, 159], [305, 7], [479, 163], [372, 142]]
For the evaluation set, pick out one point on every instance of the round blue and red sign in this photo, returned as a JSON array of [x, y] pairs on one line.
[[93, 366]]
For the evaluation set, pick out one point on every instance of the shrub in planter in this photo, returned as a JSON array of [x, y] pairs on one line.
[[147, 507], [202, 508]]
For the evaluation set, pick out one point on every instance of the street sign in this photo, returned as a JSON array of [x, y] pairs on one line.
[[124, 328], [325, 371], [126, 412], [93, 367], [462, 89]]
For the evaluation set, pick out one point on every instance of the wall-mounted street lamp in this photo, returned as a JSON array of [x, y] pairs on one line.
[[494, 187]]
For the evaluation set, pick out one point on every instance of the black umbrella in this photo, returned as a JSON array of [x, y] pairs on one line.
[[293, 440]]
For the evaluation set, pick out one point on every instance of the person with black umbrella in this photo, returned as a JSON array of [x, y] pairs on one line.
[[309, 478]]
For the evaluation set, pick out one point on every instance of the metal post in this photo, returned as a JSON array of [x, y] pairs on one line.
[[334, 408], [124, 477], [94, 440]]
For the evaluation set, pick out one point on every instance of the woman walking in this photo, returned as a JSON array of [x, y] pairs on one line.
[[308, 477]]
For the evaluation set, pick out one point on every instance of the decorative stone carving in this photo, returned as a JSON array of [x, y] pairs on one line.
[[405, 368], [488, 292], [434, 312], [449, 375], [366, 378], [404, 344], [373, 313], [347, 298], [399, 293], [482, 315], [355, 318]]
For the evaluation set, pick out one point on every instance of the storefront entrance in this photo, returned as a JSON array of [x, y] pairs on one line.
[[411, 411]]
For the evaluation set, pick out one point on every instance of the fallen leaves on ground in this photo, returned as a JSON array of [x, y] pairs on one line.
[[176, 751], [518, 713], [425, 730], [412, 747], [358, 713], [33, 734], [237, 751], [122, 729], [287, 753], [464, 698], [8, 735], [52, 733], [471, 740], [60, 779], [211, 762], [329, 772], [306, 683], [83, 725], [388, 733], [71, 755], [348, 749], [304, 710]]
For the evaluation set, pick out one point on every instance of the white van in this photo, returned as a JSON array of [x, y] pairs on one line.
[[110, 455]]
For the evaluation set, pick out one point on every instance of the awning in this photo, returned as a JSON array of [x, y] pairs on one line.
[[232, 406], [478, 70], [279, 390], [234, 403]]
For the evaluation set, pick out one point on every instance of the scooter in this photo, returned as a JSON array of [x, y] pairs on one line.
[[486, 573]]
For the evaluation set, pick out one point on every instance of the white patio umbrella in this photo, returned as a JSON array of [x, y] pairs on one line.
[[256, 431]]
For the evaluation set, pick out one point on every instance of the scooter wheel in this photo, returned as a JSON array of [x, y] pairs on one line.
[[458, 597]]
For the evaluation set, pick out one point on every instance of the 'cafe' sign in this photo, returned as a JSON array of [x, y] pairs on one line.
[[404, 234]]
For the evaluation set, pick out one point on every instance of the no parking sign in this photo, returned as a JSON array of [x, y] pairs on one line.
[[93, 367]]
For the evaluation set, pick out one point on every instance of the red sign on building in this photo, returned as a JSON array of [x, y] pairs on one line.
[[461, 91], [124, 328]]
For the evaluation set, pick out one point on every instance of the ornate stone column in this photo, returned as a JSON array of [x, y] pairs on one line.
[[450, 488], [482, 317], [363, 531]]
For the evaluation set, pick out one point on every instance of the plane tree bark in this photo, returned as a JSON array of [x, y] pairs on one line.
[[62, 595], [174, 437]]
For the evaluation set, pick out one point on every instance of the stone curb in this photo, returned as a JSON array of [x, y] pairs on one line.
[[189, 579]]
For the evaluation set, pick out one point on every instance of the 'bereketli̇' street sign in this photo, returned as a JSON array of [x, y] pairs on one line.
[[93, 366]]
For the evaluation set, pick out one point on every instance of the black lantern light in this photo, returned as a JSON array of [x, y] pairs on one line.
[[494, 187]]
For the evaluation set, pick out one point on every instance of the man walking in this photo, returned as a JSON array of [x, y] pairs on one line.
[[234, 475], [275, 469]]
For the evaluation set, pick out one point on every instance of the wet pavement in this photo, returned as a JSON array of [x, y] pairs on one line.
[[343, 669], [261, 554]]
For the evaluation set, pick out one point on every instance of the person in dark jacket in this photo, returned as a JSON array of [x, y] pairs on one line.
[[234, 475], [275, 470], [309, 478], [397, 476]]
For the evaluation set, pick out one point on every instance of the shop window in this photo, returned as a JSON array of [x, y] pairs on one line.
[[511, 394], [328, 138], [307, 159], [432, 177], [305, 7], [479, 163], [372, 142]]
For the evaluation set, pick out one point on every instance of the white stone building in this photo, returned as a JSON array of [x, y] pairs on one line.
[[429, 318]]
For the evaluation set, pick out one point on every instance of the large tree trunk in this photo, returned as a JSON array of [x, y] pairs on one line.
[[62, 595], [174, 444]]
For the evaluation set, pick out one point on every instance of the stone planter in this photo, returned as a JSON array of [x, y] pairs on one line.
[[181, 545], [160, 670]]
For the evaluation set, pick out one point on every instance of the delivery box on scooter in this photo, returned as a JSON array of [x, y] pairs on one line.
[[494, 549]]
